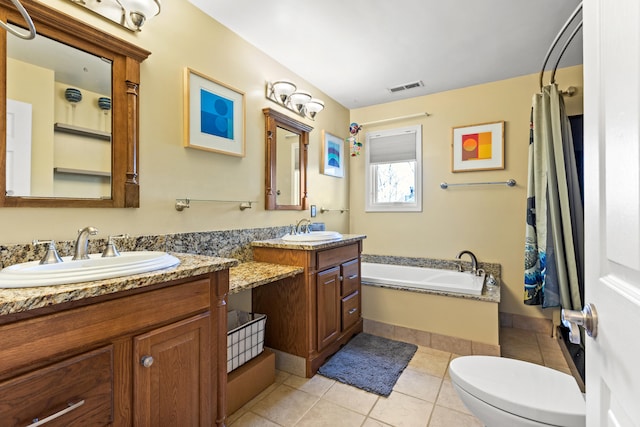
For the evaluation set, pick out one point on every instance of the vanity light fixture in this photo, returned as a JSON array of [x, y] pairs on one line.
[[131, 14], [137, 12], [286, 93]]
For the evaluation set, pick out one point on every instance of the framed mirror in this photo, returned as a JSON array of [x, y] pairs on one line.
[[286, 142], [71, 102]]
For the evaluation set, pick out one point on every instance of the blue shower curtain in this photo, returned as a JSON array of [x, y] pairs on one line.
[[554, 247]]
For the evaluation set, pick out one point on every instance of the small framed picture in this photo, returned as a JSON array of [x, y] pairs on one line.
[[333, 157], [213, 115], [477, 147]]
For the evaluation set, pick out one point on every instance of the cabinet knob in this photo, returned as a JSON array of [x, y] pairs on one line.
[[146, 361]]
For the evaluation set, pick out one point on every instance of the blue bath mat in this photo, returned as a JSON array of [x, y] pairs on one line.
[[370, 363]]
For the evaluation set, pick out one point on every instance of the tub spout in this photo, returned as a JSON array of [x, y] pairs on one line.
[[474, 261]]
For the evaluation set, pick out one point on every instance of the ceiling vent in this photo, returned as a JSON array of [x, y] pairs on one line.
[[406, 86]]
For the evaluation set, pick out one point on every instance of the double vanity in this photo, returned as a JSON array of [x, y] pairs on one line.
[[150, 348]]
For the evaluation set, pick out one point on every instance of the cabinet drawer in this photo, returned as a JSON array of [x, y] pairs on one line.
[[350, 277], [335, 256], [74, 392], [350, 310]]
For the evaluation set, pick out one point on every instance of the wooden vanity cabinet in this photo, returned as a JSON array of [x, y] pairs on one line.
[[153, 356], [313, 314]]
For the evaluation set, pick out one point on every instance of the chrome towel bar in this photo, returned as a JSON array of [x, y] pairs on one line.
[[509, 183]]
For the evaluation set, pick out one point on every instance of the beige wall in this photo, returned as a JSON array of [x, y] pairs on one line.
[[182, 36], [488, 220]]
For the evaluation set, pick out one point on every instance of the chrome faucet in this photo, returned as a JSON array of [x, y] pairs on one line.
[[82, 243], [474, 261], [300, 224]]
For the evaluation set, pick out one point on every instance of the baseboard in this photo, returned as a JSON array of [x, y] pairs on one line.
[[446, 343]]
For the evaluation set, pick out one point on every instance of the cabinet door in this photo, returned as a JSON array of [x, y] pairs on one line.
[[172, 375], [328, 292]]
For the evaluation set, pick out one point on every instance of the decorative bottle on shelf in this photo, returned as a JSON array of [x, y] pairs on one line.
[[104, 104], [73, 96]]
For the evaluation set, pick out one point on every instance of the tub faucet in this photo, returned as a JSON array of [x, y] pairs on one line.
[[303, 221], [474, 261], [82, 243]]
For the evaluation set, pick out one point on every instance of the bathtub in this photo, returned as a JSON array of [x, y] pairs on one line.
[[420, 278]]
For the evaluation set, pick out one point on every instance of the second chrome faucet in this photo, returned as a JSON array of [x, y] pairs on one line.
[[82, 243]]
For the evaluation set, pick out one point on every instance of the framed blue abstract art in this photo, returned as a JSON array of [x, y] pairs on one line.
[[213, 115], [333, 157]]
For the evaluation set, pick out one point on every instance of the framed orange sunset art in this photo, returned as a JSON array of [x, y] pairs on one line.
[[477, 147]]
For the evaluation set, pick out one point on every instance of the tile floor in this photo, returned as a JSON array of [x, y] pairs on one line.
[[422, 397]]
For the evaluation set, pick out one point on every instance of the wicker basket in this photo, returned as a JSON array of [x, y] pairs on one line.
[[245, 337]]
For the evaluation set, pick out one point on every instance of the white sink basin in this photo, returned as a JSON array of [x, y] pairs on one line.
[[314, 236], [31, 274]]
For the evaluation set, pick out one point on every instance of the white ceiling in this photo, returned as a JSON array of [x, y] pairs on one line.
[[354, 50]]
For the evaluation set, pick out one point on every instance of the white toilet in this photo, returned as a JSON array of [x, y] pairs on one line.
[[504, 392]]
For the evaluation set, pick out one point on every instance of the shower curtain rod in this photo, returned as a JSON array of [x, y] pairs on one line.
[[392, 119], [557, 39]]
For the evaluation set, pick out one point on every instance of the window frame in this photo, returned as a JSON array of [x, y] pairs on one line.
[[370, 179]]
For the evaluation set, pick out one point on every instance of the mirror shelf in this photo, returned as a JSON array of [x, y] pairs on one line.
[[78, 130], [124, 61]]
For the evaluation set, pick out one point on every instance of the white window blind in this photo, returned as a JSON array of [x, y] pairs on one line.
[[392, 148]]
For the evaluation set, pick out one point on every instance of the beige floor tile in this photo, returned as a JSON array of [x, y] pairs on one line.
[[231, 418], [526, 353], [281, 376], [351, 398], [400, 410], [449, 398], [511, 337], [430, 361], [285, 405], [264, 393], [325, 414], [317, 385], [547, 342], [445, 417], [249, 419], [294, 400], [520, 344], [370, 422], [434, 352], [418, 384]]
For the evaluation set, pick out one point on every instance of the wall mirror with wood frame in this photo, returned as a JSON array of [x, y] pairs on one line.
[[286, 142], [71, 101]]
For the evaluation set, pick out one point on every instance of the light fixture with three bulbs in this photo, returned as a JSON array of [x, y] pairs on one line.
[[286, 93], [131, 14]]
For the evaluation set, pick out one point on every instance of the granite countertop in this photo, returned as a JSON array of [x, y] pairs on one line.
[[249, 275], [309, 246], [17, 300]]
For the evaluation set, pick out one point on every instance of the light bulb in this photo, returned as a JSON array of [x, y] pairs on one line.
[[283, 89], [299, 99]]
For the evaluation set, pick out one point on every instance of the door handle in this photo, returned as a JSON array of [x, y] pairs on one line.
[[587, 318]]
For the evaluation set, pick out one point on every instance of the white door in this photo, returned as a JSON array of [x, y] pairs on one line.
[[18, 148], [612, 209]]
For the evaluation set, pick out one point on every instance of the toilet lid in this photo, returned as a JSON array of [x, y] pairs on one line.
[[521, 388]]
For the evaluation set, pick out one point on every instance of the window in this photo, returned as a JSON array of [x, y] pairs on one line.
[[394, 170]]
